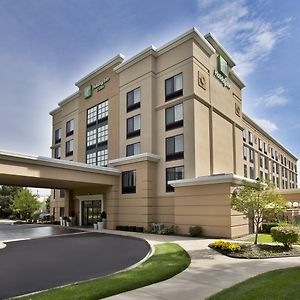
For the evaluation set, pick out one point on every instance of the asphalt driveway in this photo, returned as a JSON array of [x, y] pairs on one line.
[[33, 265]]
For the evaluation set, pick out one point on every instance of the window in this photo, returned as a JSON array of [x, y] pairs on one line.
[[175, 173], [276, 155], [69, 147], [244, 134], [261, 174], [174, 147], [272, 153], [252, 173], [173, 87], [102, 158], [245, 171], [285, 161], [62, 212], [91, 138], [97, 113], [62, 193], [265, 148], [274, 167], [251, 155], [134, 126], [129, 182], [261, 161], [245, 152], [91, 159], [266, 163], [57, 135], [260, 144], [70, 127], [174, 117], [250, 138], [103, 133], [133, 99], [133, 149], [57, 152]]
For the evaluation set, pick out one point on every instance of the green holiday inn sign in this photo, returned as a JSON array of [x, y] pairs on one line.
[[222, 71], [88, 91]]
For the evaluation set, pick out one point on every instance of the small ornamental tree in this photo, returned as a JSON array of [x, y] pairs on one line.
[[256, 199], [25, 203]]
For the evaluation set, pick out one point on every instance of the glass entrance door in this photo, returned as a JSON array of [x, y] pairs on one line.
[[90, 212]]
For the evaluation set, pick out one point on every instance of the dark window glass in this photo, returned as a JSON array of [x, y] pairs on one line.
[[62, 212], [69, 147], [129, 182], [62, 193], [70, 128], [57, 152], [173, 87], [245, 171], [174, 117], [250, 138], [133, 99], [134, 126], [175, 173], [251, 155], [244, 134], [133, 149], [174, 147], [245, 152], [57, 135]]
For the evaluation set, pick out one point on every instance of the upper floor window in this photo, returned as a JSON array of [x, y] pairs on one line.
[[260, 144], [266, 163], [129, 182], [272, 152], [69, 147], [261, 161], [134, 126], [62, 193], [251, 155], [265, 148], [173, 87], [174, 147], [91, 158], [276, 155], [91, 138], [133, 99], [245, 171], [70, 127], [244, 135], [57, 135], [98, 112], [245, 152], [133, 149], [57, 152], [175, 173], [250, 138], [102, 157], [103, 133], [174, 117], [251, 172]]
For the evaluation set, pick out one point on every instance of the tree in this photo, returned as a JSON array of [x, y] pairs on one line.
[[7, 194], [256, 200], [25, 203]]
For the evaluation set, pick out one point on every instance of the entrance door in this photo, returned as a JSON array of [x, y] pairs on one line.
[[91, 211]]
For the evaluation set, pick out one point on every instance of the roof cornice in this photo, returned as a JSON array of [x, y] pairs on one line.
[[255, 125], [213, 179], [115, 60], [134, 159], [236, 79], [219, 48]]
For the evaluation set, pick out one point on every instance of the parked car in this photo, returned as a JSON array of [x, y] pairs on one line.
[[43, 218]]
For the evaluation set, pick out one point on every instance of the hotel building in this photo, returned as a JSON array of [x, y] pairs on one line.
[[168, 126]]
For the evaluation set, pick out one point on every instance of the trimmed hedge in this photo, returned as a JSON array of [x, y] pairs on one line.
[[285, 235], [195, 231], [130, 228], [266, 227]]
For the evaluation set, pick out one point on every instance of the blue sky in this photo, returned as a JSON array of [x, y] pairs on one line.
[[47, 45]]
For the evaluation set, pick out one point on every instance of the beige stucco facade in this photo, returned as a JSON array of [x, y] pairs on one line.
[[211, 129]]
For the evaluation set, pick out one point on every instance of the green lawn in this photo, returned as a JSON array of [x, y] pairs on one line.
[[262, 238], [279, 284], [168, 260]]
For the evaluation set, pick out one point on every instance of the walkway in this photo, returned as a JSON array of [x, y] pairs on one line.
[[208, 273]]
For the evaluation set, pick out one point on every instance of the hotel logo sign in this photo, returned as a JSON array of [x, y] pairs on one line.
[[222, 72], [88, 91]]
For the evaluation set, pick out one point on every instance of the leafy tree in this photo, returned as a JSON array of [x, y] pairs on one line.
[[256, 200], [7, 194], [25, 204]]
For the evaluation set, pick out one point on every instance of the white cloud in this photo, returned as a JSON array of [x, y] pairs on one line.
[[267, 125], [237, 24], [273, 98]]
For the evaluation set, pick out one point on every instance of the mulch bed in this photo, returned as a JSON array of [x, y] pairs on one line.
[[251, 251]]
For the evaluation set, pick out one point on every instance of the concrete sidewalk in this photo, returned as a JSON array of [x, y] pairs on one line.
[[208, 273]]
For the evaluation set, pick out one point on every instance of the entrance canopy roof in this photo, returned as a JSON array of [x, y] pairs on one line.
[[43, 172]]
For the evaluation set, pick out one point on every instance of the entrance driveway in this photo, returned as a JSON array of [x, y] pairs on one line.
[[33, 265]]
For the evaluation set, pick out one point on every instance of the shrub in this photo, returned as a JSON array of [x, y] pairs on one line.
[[167, 231], [226, 246], [285, 235], [266, 227], [195, 231]]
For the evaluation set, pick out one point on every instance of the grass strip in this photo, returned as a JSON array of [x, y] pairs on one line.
[[168, 260], [278, 284]]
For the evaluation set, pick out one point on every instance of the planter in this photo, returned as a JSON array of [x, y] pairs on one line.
[[68, 224], [100, 225], [61, 221], [104, 223], [72, 221], [96, 226]]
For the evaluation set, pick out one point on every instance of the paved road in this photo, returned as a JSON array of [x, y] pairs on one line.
[[32, 265]]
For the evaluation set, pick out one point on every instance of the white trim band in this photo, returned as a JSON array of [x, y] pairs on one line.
[[134, 159]]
